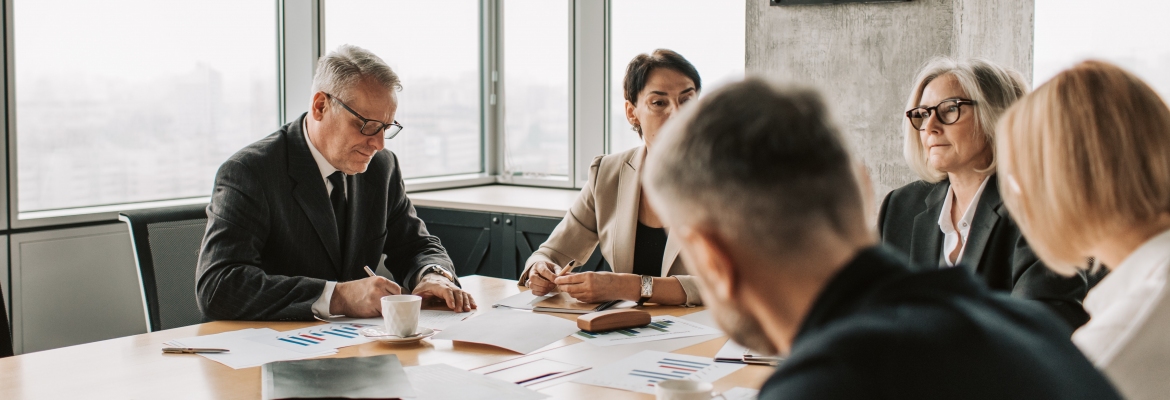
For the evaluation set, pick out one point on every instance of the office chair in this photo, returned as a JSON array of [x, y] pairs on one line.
[[166, 249], [5, 329]]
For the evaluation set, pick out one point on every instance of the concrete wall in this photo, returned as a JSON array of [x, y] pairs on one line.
[[864, 58]]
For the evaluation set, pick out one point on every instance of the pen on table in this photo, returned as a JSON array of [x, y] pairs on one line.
[[192, 350], [370, 271]]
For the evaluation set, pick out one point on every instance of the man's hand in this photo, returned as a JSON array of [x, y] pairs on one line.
[[596, 287], [435, 286], [541, 276], [361, 298]]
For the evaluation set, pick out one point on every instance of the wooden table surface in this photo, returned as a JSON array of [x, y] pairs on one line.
[[134, 367]]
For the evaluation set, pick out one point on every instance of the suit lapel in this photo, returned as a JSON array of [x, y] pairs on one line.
[[626, 214], [926, 247], [986, 216], [310, 192]]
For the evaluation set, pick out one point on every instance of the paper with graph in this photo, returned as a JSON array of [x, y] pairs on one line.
[[315, 338], [641, 371], [660, 328]]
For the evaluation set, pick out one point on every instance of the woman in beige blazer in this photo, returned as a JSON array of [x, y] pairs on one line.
[[612, 212]]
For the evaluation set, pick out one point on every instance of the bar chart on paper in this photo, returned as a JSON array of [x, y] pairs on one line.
[[640, 372], [316, 338], [660, 328]]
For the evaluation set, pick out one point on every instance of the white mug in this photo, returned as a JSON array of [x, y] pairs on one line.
[[684, 389], [400, 312]]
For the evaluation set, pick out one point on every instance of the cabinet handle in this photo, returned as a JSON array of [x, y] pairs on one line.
[[508, 221], [495, 220]]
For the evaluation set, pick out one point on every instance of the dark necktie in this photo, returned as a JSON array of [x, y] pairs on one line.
[[337, 198]]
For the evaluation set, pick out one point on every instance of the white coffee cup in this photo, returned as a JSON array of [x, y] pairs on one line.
[[684, 389], [400, 312]]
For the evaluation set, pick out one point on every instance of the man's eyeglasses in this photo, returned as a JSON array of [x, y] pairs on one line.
[[948, 112], [371, 127]]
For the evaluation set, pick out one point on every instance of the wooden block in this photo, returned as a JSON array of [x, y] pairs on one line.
[[613, 319]]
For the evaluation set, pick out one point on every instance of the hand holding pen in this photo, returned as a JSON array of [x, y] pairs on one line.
[[542, 275]]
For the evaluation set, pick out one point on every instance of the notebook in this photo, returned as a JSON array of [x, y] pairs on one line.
[[378, 377], [563, 303]]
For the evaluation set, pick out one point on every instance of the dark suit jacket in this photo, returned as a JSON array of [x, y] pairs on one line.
[[271, 240], [996, 250], [880, 331]]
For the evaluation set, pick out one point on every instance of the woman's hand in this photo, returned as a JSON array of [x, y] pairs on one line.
[[540, 278], [596, 287]]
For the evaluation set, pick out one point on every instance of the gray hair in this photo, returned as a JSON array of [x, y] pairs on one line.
[[341, 69], [759, 163], [992, 87]]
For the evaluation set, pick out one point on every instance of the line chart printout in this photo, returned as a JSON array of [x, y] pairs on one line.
[[640, 372], [316, 338], [660, 328]]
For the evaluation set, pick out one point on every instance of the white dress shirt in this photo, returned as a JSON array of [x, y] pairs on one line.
[[956, 237], [1128, 335], [321, 306]]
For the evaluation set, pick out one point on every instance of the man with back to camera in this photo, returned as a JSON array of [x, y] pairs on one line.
[[758, 184], [296, 216]]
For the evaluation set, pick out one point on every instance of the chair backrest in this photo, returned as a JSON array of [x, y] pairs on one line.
[[166, 248], [5, 330]]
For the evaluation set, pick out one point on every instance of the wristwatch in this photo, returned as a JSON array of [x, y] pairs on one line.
[[436, 269], [647, 289]]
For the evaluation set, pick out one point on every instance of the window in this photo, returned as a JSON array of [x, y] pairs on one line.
[[1129, 33], [536, 51], [137, 100], [434, 48], [710, 34]]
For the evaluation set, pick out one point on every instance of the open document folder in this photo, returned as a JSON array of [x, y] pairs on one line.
[[558, 303]]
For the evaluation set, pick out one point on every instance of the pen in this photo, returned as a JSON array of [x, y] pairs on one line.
[[568, 268], [191, 350], [370, 271]]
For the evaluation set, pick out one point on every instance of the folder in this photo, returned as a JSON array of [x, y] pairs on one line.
[[379, 377], [563, 303]]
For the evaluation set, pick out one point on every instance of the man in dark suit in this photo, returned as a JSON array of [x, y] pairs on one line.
[[296, 216], [759, 188]]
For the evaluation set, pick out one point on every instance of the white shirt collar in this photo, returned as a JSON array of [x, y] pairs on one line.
[[953, 236], [1122, 302], [323, 165]]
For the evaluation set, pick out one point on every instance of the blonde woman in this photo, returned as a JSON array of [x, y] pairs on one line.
[[1086, 165], [954, 216]]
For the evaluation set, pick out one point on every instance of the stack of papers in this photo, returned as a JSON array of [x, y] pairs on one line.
[[640, 372], [255, 347], [521, 332], [733, 352], [660, 328]]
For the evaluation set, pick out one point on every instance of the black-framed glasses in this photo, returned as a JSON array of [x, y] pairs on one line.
[[371, 127], [948, 112]]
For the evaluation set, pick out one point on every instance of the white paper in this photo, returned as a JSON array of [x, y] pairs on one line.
[[641, 371], [442, 381], [522, 301], [731, 352], [660, 328], [518, 331], [244, 353], [741, 393], [314, 339], [434, 319]]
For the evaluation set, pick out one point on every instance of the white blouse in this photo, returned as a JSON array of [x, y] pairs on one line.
[[957, 236], [1128, 335]]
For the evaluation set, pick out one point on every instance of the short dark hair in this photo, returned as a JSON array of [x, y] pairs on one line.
[[639, 69], [758, 162]]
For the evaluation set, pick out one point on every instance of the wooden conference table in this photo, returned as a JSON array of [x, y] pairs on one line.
[[134, 367]]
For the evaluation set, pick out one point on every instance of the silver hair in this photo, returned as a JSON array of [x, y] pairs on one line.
[[760, 164], [341, 69], [992, 87]]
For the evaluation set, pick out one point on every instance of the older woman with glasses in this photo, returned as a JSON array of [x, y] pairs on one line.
[[954, 216], [1086, 166]]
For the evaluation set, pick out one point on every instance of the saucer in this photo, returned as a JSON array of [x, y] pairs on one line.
[[378, 333]]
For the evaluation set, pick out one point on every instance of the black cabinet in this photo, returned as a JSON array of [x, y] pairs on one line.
[[493, 244]]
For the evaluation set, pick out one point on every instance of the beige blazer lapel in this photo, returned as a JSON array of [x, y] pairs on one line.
[[670, 255], [626, 213]]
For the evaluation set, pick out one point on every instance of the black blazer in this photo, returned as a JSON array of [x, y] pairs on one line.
[[996, 250], [880, 331], [271, 239]]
